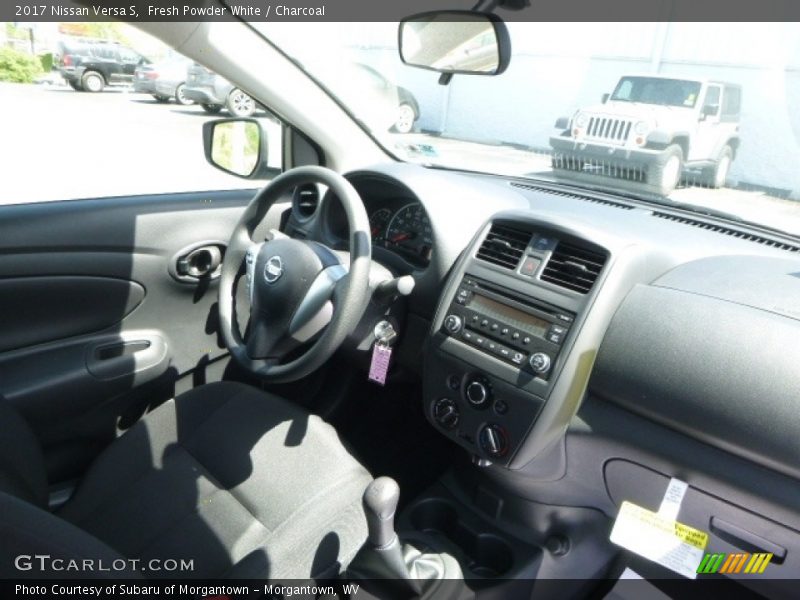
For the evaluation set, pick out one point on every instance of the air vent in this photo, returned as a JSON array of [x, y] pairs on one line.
[[306, 200], [742, 235], [504, 246], [565, 194], [573, 267]]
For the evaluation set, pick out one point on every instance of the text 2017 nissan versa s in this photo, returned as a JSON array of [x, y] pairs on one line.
[[433, 364]]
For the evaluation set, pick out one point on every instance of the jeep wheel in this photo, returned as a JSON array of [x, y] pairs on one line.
[[75, 85], [180, 97], [715, 177], [211, 109], [666, 172], [240, 104], [93, 82]]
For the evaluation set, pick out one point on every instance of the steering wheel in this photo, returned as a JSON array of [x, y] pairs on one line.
[[297, 288]]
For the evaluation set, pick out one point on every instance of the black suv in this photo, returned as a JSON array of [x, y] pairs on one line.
[[90, 66]]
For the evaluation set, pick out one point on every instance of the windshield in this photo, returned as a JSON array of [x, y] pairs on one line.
[[705, 115], [657, 90]]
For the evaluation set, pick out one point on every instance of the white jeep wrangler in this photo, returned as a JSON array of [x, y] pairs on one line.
[[650, 131]]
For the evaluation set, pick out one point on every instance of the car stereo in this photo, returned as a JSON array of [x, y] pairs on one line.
[[513, 328]]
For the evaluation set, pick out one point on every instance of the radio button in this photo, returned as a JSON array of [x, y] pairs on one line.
[[517, 358], [556, 338], [515, 335], [468, 335], [526, 340], [504, 331], [540, 362], [485, 323], [453, 323], [504, 352], [494, 326], [558, 329]]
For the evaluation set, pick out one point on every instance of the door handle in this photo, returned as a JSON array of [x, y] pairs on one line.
[[200, 263]]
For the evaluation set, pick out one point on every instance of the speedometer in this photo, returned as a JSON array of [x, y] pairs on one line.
[[409, 233], [378, 221]]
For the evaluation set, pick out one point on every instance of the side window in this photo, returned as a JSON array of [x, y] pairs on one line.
[[712, 98], [731, 102], [106, 144], [128, 56], [103, 51]]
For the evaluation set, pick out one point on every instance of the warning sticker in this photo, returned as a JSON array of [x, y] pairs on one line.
[[659, 538]]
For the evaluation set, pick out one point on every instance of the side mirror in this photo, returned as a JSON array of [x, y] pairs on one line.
[[562, 123], [604, 98], [455, 41], [710, 110], [239, 147]]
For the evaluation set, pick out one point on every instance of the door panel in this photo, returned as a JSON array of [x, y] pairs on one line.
[[94, 326], [41, 309]]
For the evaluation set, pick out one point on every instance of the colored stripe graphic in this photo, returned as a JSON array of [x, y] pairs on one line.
[[734, 563]]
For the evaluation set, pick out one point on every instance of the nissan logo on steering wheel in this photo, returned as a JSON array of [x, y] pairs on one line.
[[273, 269]]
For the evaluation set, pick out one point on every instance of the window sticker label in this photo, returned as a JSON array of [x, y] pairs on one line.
[[658, 536]]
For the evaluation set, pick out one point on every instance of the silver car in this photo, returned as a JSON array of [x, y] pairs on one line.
[[164, 80], [214, 93]]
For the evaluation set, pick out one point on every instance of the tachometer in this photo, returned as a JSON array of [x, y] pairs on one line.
[[378, 221], [409, 233]]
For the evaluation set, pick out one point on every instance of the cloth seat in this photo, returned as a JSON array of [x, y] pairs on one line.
[[242, 483]]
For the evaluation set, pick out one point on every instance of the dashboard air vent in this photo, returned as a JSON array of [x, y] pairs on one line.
[[565, 194], [306, 200], [742, 235], [504, 246], [573, 267]]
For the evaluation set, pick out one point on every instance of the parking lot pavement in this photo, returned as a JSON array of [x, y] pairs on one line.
[[61, 144]]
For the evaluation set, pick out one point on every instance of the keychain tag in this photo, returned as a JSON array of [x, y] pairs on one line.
[[379, 366], [381, 352]]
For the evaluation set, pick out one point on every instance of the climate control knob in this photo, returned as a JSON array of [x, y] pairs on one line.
[[539, 362], [493, 440], [453, 323], [478, 391], [445, 413]]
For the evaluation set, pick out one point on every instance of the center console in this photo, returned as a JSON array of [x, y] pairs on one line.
[[503, 333]]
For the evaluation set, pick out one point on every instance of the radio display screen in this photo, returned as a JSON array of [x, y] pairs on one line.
[[508, 314]]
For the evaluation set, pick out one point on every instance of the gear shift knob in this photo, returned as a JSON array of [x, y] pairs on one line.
[[380, 503]]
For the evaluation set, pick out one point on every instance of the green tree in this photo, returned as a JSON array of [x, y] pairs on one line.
[[18, 67]]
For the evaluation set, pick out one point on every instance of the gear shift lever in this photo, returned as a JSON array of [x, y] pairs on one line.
[[402, 569], [380, 504]]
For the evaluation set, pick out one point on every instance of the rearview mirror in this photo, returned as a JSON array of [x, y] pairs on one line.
[[710, 110], [455, 41], [238, 147], [604, 98]]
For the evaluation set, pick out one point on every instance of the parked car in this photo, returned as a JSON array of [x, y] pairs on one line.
[[214, 93], [164, 80], [90, 65], [407, 105], [652, 130]]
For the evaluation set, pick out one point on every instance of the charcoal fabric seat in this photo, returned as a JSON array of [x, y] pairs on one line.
[[240, 483]]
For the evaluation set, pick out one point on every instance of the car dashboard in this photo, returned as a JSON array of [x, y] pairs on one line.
[[534, 296]]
